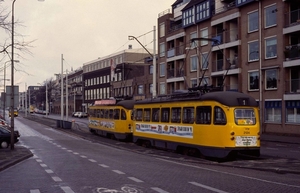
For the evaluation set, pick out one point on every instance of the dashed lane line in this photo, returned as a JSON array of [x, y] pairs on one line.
[[135, 179], [118, 172], [159, 190], [208, 187]]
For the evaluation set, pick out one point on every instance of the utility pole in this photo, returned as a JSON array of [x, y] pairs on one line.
[[61, 91]]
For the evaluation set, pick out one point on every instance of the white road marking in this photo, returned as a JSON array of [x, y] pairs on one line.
[[103, 165], [228, 173], [69, 150], [92, 160], [83, 156], [295, 151], [75, 153], [118, 172], [281, 145], [159, 190], [135, 179], [38, 160], [43, 165], [208, 187], [56, 179], [35, 191], [49, 171], [67, 189]]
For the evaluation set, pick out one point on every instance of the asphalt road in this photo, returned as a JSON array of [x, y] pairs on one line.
[[66, 162]]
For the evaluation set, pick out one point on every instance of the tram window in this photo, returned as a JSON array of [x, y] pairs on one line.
[[188, 115], [91, 112], [139, 114], [147, 113], [203, 115], [111, 113], [123, 114], [176, 115], [101, 113], [155, 115], [219, 116], [105, 113], [244, 117], [117, 114], [165, 114]]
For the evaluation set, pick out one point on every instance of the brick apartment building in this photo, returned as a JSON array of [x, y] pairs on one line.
[[249, 46]]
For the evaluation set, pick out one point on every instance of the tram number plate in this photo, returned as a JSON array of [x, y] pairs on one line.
[[242, 141]]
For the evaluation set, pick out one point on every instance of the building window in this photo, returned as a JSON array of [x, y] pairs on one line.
[[204, 81], [273, 111], [204, 61], [194, 63], [151, 69], [253, 21], [194, 43], [162, 50], [271, 79], [188, 17], [161, 30], [204, 34], [140, 89], [253, 80], [253, 51], [194, 83], [270, 16], [162, 88], [293, 111], [162, 69], [151, 88], [202, 11], [271, 47]]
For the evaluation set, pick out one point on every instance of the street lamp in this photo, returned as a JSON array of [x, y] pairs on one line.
[[153, 58], [12, 122]]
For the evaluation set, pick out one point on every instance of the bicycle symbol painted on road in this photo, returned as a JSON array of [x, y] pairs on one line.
[[124, 189]]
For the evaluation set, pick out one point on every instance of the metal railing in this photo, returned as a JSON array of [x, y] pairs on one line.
[[292, 18], [292, 86], [292, 52]]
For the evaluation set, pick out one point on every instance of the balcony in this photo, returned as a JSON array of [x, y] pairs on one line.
[[292, 86], [292, 18], [175, 73], [218, 65], [292, 52]]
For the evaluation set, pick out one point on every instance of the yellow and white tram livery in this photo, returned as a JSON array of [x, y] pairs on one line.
[[216, 124]]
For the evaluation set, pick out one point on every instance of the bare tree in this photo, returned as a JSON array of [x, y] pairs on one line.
[[20, 44]]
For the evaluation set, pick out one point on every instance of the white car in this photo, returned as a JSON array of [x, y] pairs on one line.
[[82, 114]]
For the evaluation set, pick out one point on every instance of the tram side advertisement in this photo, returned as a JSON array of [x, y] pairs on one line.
[[167, 130]]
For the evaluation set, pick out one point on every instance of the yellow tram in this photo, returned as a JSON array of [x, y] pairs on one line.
[[214, 124], [111, 118]]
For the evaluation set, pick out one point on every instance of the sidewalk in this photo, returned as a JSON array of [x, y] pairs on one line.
[[10, 157], [280, 138]]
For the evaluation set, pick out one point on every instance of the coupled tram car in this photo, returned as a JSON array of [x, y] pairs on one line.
[[112, 118], [215, 124]]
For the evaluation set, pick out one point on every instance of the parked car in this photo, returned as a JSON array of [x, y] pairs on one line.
[[75, 114], [3, 122], [82, 114], [5, 136]]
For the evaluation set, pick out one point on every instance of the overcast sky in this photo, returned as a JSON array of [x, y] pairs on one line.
[[81, 30]]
